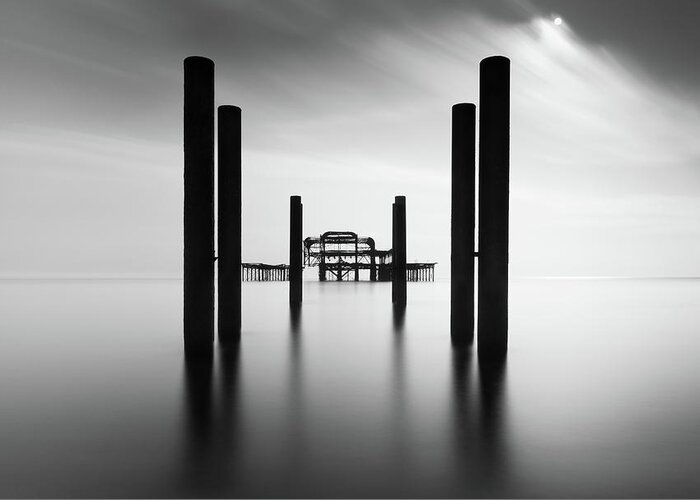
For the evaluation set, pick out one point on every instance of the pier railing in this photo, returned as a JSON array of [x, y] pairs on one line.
[[280, 272], [264, 272]]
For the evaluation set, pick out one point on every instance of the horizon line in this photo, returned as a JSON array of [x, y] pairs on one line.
[[118, 277]]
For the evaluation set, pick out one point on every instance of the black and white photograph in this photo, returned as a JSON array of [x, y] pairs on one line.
[[349, 249]]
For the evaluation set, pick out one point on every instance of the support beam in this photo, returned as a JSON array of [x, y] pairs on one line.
[[399, 251], [296, 250], [494, 154], [198, 311], [229, 255], [463, 214]]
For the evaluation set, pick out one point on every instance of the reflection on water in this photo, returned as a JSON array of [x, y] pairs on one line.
[[480, 432], [493, 439], [199, 429], [349, 396]]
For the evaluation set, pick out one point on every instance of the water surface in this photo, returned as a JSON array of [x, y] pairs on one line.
[[599, 396]]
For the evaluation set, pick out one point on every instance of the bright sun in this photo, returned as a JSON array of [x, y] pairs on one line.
[[557, 21]]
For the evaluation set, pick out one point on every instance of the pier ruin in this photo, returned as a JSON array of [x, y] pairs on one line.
[[343, 255]]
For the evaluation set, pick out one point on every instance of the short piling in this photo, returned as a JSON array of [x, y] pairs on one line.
[[296, 250], [393, 252], [399, 251], [494, 154], [229, 211], [198, 311], [463, 214]]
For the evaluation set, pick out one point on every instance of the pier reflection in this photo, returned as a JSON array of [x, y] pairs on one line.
[[312, 434]]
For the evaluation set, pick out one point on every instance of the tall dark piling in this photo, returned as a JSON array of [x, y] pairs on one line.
[[296, 250], [494, 153], [229, 254], [463, 213], [398, 284], [199, 205]]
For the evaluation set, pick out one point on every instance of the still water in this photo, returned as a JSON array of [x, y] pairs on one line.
[[600, 395]]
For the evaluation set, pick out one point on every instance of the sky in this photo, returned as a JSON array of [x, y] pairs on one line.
[[349, 104]]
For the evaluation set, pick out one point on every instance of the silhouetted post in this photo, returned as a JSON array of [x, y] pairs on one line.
[[357, 267], [295, 250], [463, 210], [399, 253], [229, 223], [199, 205], [494, 153], [393, 252]]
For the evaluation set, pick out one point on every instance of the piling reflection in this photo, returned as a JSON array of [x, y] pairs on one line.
[[198, 377], [198, 431], [309, 442], [294, 318], [492, 425], [462, 400], [398, 360], [211, 423], [491, 389], [296, 430], [399, 317], [229, 438], [399, 400], [480, 430]]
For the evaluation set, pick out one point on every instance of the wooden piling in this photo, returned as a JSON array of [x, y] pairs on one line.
[[494, 154], [229, 254], [463, 214], [296, 250], [198, 310], [399, 251]]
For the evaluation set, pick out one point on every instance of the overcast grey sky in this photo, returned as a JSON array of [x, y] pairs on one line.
[[348, 104]]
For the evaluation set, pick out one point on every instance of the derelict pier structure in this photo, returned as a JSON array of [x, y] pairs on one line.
[[342, 255]]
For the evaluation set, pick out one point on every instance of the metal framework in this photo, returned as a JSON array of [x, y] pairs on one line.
[[341, 255]]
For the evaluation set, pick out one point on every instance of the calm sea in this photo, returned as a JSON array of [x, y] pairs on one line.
[[599, 397]]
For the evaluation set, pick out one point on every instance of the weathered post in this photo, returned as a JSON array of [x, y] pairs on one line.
[[494, 153], [399, 252], [463, 213], [295, 250], [198, 311], [229, 255]]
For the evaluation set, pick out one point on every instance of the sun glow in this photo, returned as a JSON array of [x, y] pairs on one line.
[[555, 35]]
